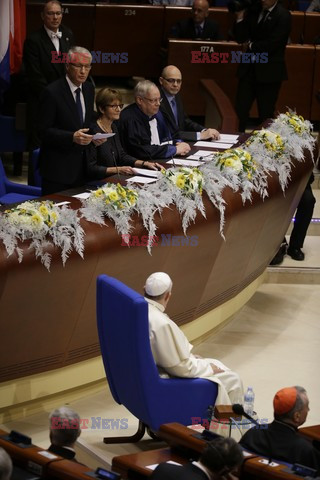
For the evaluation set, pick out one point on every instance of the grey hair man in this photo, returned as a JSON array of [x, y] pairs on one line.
[[172, 351], [145, 132], [280, 439], [5, 465], [64, 432]]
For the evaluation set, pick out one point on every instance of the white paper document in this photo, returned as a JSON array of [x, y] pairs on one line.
[[82, 195], [215, 144], [227, 138], [148, 173], [184, 163], [203, 155], [100, 136], [60, 204], [138, 179]]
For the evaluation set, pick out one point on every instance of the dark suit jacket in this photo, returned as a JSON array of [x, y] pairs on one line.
[[186, 29], [281, 442], [62, 160], [62, 452], [165, 471], [37, 58], [270, 37], [135, 134], [186, 127]]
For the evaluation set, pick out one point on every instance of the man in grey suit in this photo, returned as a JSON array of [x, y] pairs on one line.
[[172, 108]]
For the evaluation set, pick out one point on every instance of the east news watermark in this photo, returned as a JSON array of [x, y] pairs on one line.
[[92, 423], [163, 240], [97, 57], [207, 54]]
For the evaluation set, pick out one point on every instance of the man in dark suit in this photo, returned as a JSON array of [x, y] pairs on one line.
[[65, 114], [42, 54], [198, 26], [263, 30], [219, 460], [145, 131], [64, 432], [172, 108]]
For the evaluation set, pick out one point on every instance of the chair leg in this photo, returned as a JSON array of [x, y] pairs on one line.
[[153, 435], [130, 438]]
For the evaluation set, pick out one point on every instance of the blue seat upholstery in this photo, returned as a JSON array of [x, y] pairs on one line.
[[11, 192], [122, 316]]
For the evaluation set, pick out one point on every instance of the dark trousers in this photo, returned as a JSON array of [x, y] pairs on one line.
[[302, 218], [249, 90]]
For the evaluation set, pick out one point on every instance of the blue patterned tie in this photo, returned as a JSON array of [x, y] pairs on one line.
[[78, 103], [174, 109]]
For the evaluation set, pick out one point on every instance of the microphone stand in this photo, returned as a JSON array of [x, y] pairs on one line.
[[115, 164]]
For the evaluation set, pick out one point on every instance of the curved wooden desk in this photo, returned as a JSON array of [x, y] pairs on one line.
[[49, 321]]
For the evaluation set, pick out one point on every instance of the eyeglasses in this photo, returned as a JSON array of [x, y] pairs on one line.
[[153, 101], [114, 107], [80, 67], [51, 14], [178, 81]]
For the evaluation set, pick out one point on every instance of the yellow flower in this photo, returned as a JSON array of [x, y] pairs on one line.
[[54, 216], [180, 181], [98, 193], [113, 196], [36, 219], [43, 210]]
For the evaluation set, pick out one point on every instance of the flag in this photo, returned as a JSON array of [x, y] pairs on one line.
[[12, 35]]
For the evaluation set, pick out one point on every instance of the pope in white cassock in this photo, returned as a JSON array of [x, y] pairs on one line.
[[172, 351]]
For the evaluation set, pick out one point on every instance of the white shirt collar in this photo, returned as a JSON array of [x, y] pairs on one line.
[[203, 468], [72, 86], [159, 306]]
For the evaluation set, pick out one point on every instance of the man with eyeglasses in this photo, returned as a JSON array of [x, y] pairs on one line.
[[198, 26], [65, 114], [172, 108], [145, 132], [40, 49]]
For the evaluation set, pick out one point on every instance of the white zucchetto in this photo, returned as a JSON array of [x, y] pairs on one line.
[[157, 283]]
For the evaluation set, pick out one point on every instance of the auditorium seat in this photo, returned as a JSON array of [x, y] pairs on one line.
[[311, 27], [134, 381], [11, 192]]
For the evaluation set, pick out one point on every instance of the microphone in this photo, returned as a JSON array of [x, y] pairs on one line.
[[205, 156], [115, 164], [239, 410]]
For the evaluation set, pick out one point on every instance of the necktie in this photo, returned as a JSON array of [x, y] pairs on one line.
[[78, 103], [56, 35], [198, 31], [265, 13], [174, 109]]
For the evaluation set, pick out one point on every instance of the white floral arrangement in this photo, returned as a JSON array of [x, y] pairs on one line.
[[266, 140], [241, 170], [113, 201], [188, 180], [44, 224], [296, 132], [184, 186], [271, 153]]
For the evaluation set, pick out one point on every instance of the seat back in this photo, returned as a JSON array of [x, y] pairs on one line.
[[2, 180], [11, 140], [122, 316]]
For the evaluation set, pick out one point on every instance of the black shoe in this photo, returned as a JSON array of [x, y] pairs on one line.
[[279, 256], [296, 253]]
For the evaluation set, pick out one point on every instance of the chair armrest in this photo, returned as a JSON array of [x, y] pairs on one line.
[[12, 187]]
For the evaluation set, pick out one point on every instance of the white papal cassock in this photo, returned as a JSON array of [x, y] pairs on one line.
[[172, 352]]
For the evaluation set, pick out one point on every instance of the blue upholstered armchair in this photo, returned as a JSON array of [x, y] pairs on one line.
[[122, 316], [15, 192]]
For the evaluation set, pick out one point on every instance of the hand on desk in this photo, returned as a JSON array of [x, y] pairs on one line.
[[123, 170], [210, 133], [182, 148], [152, 165]]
